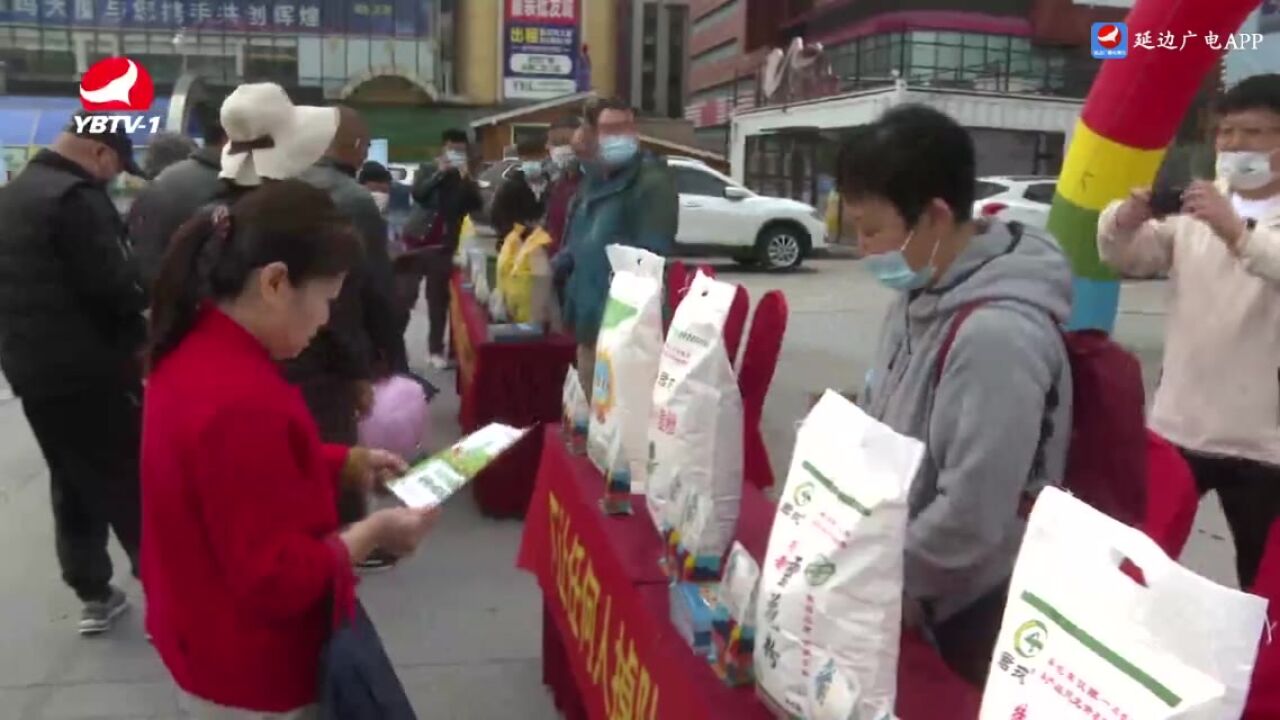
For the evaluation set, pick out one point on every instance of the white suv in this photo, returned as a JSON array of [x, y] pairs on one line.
[[720, 217], [1024, 198]]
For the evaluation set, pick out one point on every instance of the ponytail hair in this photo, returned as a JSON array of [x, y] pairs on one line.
[[214, 253]]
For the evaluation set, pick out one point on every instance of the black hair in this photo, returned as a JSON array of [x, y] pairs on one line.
[[210, 260], [909, 156], [165, 149], [211, 129], [373, 171], [567, 122], [1259, 92], [454, 135], [592, 111]]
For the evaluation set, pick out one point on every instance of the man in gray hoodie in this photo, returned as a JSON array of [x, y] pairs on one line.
[[994, 410]]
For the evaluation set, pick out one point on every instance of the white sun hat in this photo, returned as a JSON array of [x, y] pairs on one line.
[[270, 137]]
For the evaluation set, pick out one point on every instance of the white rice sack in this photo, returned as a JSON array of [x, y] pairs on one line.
[[627, 351], [1081, 637], [695, 435], [830, 607]]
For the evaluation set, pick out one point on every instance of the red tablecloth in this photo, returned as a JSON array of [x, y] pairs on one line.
[[607, 639], [517, 383]]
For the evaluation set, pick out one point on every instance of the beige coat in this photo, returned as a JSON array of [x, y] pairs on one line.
[[1220, 388]]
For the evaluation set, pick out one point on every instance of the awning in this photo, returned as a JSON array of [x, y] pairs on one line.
[[37, 120]]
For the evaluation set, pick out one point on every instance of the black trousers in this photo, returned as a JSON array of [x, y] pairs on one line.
[[332, 401], [1250, 494], [91, 441], [436, 267], [967, 639]]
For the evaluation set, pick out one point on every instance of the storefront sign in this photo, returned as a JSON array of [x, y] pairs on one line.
[[542, 48], [362, 17]]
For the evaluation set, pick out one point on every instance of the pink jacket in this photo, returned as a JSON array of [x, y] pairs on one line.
[[1220, 388]]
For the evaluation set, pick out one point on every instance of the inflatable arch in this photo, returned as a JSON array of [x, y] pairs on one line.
[[1130, 117]]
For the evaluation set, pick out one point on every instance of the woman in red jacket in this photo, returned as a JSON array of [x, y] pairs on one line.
[[244, 558]]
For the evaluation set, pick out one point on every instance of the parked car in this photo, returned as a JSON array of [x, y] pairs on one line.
[[721, 217], [1022, 198]]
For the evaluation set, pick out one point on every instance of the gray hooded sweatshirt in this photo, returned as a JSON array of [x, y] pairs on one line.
[[997, 423]]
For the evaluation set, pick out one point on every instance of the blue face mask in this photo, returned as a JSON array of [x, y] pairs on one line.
[[456, 159], [532, 169], [894, 272], [616, 150]]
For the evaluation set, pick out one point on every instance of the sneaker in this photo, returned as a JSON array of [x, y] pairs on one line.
[[98, 616], [439, 362], [377, 561]]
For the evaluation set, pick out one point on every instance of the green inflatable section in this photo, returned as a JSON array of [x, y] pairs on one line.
[[1076, 230]]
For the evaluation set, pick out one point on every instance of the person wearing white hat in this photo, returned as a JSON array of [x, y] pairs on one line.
[[270, 138]]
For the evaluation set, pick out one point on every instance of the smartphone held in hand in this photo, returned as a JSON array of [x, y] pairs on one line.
[[1166, 200]]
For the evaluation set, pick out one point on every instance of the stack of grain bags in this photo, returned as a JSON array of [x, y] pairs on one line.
[[823, 612]]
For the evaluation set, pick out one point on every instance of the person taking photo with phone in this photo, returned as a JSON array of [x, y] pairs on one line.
[[1219, 394], [443, 197]]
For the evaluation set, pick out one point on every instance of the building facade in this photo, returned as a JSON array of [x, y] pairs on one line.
[[652, 53], [776, 83], [722, 59], [392, 59]]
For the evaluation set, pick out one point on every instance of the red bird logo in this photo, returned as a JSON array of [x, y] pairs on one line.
[[117, 83], [1109, 36]]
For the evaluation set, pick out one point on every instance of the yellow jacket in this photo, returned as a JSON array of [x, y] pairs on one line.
[[524, 274]]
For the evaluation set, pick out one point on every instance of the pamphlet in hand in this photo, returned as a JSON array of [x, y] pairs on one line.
[[434, 480]]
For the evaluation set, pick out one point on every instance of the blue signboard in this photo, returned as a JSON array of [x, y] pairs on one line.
[[541, 48], [372, 17]]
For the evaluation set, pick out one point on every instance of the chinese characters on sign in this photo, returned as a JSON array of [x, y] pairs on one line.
[[596, 632], [541, 48], [375, 17], [1169, 40]]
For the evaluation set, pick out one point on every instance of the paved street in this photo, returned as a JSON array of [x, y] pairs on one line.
[[459, 620]]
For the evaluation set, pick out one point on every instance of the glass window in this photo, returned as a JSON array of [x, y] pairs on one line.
[[998, 42], [986, 189], [696, 182], [924, 36], [1019, 63], [949, 38], [1040, 192], [974, 58], [948, 56], [1020, 43], [923, 56]]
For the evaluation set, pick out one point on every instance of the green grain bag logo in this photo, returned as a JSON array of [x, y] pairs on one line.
[[1029, 638]]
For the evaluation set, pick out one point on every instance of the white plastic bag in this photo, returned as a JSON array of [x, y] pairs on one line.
[[498, 307], [1078, 631], [575, 414], [695, 434], [627, 352], [830, 605]]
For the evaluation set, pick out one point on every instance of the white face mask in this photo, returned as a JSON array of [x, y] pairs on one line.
[[1245, 170], [562, 156], [381, 199]]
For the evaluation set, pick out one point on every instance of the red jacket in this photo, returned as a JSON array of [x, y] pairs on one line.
[[241, 561], [560, 196]]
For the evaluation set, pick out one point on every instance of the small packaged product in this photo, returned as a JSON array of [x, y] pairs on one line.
[[733, 624]]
